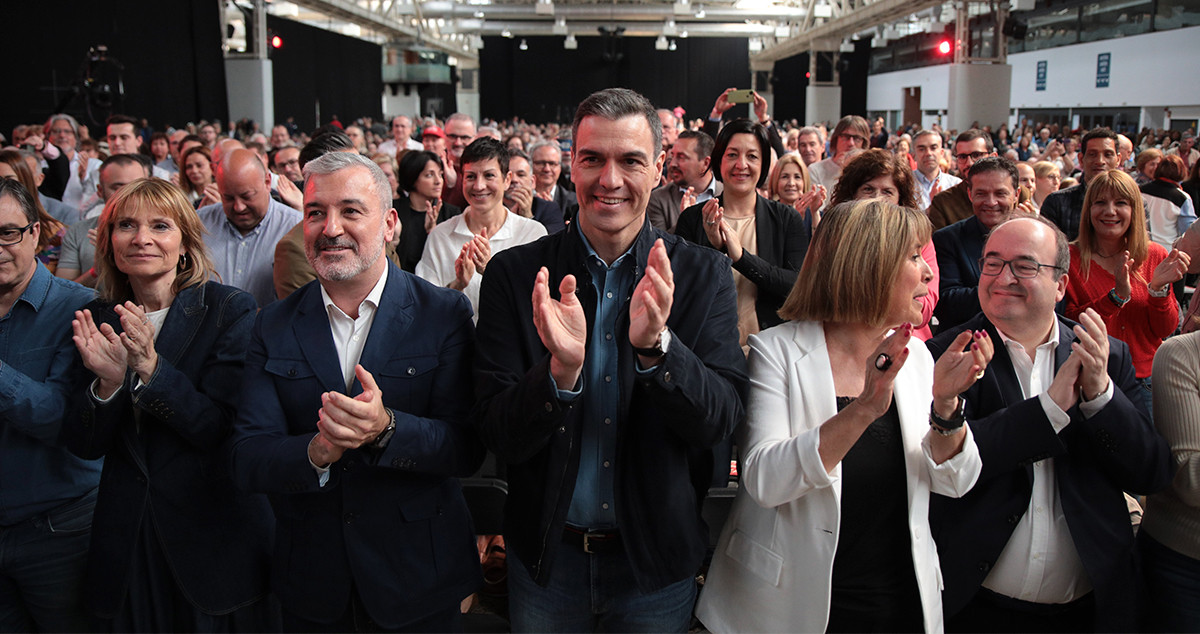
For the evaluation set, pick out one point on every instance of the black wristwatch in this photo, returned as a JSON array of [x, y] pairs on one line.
[[381, 441], [660, 345]]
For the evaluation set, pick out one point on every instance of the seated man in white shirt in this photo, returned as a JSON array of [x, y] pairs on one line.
[[458, 250], [1043, 542]]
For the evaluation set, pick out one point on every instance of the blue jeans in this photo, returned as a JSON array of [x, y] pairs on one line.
[[1173, 581], [42, 562], [1146, 390], [594, 593]]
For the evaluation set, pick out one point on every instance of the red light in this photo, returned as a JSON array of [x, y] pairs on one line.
[[808, 75], [276, 42], [943, 47]]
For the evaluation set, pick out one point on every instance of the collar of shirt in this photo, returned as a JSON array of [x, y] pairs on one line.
[[37, 290], [371, 302], [594, 259], [926, 182], [502, 233], [349, 334], [711, 190], [1018, 355]]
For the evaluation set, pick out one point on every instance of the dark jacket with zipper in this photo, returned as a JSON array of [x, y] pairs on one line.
[[670, 419]]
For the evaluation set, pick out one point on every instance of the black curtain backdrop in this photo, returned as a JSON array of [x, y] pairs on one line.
[[171, 53], [547, 82], [318, 71], [789, 82]]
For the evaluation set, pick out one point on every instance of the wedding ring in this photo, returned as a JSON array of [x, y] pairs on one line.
[[145, 320], [709, 222], [883, 362]]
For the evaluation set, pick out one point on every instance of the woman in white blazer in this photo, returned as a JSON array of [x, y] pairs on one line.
[[833, 489]]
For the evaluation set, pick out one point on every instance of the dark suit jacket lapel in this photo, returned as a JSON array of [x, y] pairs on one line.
[[975, 232], [178, 331], [765, 231], [392, 319], [1001, 370], [315, 340]]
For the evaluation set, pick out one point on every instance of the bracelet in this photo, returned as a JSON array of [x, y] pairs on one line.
[[944, 426], [1117, 299], [1165, 292]]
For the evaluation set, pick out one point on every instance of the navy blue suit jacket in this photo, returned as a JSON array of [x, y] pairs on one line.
[[169, 474], [1095, 460], [392, 523], [959, 247]]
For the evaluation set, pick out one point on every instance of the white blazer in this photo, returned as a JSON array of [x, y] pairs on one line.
[[773, 565]]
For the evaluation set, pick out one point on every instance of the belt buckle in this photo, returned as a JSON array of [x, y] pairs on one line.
[[587, 544]]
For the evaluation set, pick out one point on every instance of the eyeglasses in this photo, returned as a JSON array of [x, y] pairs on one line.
[[459, 137], [13, 235], [541, 164], [1025, 269], [973, 156]]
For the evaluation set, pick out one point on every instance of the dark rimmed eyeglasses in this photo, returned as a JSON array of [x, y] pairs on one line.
[[1022, 268], [13, 235]]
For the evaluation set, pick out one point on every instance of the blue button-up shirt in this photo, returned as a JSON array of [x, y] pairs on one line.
[[925, 186], [37, 359], [248, 261], [593, 503]]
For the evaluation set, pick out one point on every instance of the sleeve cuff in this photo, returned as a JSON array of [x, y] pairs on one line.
[[96, 396], [1058, 418], [322, 472], [566, 396], [1093, 407]]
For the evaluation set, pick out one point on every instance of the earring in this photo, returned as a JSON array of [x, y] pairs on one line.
[[183, 262]]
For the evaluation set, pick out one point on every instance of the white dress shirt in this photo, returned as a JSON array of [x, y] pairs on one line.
[[349, 337], [1040, 563]]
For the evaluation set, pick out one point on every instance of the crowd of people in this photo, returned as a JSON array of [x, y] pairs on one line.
[[246, 374]]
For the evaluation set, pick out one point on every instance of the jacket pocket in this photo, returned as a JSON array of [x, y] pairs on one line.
[[758, 559], [289, 368]]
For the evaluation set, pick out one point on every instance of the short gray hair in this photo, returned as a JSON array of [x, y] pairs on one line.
[[338, 161], [541, 144], [615, 104]]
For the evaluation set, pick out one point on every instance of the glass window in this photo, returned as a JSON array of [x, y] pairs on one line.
[[1176, 14], [1106, 20]]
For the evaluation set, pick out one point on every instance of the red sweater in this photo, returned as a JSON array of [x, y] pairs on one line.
[[1142, 323]]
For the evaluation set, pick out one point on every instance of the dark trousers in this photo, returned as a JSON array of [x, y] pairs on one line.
[[42, 563], [356, 619], [991, 612]]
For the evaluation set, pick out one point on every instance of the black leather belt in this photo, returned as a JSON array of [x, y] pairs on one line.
[[593, 541]]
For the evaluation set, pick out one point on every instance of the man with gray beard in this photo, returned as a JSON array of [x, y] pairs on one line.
[[352, 420]]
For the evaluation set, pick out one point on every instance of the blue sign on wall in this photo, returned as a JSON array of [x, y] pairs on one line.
[[1103, 66], [1041, 75]]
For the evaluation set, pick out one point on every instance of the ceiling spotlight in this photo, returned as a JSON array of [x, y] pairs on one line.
[[669, 27], [570, 43], [672, 46], [683, 34], [683, 7], [660, 44], [700, 12], [823, 10], [524, 46], [846, 47], [479, 14], [782, 31], [560, 26], [506, 33], [543, 7], [756, 44]]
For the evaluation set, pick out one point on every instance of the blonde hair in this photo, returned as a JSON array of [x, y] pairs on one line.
[[777, 171], [195, 266], [853, 261], [1121, 186], [1042, 169]]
